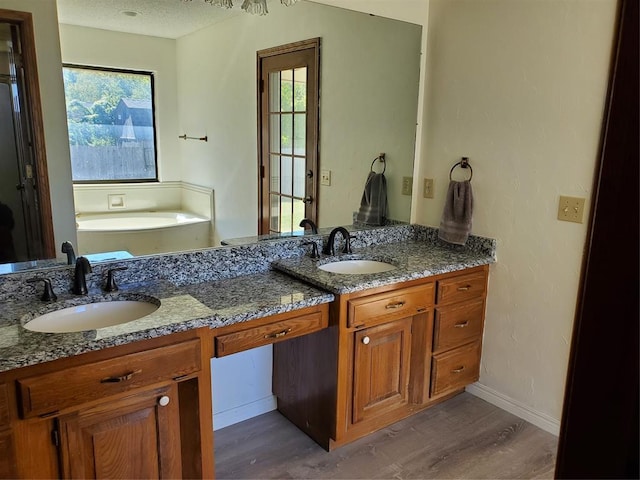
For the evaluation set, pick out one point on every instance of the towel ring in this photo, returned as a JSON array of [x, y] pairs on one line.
[[382, 160], [464, 163]]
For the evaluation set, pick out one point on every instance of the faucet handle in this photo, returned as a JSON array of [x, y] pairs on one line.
[[314, 249], [48, 295], [347, 243], [111, 285]]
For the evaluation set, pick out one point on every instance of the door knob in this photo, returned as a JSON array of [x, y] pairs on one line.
[[366, 340], [163, 401], [308, 199]]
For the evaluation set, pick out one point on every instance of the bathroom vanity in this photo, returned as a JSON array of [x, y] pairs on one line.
[[390, 351], [352, 353], [140, 410]]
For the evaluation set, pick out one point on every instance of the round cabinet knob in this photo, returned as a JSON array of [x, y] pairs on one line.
[[164, 401], [366, 340]]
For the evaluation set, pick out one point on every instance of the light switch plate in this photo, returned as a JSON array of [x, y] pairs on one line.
[[407, 185], [325, 177], [427, 189], [571, 209]]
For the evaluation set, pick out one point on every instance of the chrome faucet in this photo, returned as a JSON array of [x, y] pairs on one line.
[[306, 222], [83, 267], [67, 247], [329, 248]]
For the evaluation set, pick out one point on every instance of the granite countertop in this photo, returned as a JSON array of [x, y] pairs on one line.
[[221, 302], [412, 259], [207, 304]]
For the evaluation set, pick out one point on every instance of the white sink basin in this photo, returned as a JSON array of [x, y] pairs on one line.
[[91, 316], [357, 267]]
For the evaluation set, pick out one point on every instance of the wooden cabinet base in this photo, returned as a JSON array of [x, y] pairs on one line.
[[383, 357], [156, 423]]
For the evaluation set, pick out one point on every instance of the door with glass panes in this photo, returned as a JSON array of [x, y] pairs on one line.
[[288, 136]]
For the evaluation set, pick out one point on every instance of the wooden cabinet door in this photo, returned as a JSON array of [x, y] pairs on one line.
[[136, 437], [7, 456], [381, 369]]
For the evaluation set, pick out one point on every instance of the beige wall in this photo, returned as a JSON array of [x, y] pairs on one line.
[[45, 20], [102, 48], [519, 87]]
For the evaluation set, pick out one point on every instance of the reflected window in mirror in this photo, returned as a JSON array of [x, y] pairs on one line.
[[110, 116]]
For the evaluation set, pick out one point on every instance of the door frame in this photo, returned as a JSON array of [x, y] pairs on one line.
[[24, 21], [263, 132], [599, 427]]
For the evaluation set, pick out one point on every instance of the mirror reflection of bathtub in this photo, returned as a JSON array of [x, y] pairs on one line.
[[143, 218], [142, 233]]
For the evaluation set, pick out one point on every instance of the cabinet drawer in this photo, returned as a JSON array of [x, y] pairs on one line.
[[462, 287], [271, 333], [455, 369], [387, 306], [69, 387], [458, 324]]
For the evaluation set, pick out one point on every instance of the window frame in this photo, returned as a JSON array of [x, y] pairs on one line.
[[151, 76]]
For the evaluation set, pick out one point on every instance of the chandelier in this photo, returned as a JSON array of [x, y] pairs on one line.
[[257, 7]]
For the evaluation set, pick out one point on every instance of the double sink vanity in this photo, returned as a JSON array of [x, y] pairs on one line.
[[352, 352]]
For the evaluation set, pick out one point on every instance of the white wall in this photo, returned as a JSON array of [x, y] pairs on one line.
[[45, 21], [102, 48], [358, 119], [519, 87]]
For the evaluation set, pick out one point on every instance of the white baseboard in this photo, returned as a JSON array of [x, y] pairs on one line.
[[244, 412], [539, 419]]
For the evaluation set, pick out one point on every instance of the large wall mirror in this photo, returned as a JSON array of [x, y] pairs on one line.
[[205, 85]]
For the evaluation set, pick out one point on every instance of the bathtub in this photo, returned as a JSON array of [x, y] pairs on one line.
[[142, 233]]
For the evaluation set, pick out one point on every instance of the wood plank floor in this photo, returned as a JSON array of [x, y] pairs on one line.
[[464, 437]]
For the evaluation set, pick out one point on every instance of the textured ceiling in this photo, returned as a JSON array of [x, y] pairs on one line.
[[159, 18]]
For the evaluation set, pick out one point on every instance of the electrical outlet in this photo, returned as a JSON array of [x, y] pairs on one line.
[[571, 209], [325, 177], [407, 185], [427, 189]]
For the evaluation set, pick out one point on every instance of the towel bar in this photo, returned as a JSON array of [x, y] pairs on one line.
[[202, 139]]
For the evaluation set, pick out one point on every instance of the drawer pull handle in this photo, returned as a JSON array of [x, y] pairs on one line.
[[464, 289], [461, 324], [122, 378], [395, 305], [278, 334], [458, 370], [164, 400], [366, 340]]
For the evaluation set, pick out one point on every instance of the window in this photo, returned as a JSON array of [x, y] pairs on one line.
[[110, 115]]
